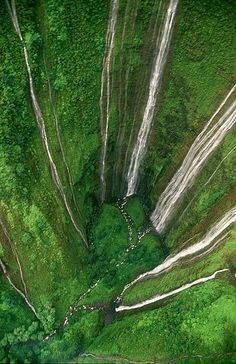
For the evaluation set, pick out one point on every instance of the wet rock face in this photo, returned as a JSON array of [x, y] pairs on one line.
[[110, 314]]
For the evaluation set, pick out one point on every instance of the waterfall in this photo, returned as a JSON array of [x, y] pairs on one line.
[[194, 250], [206, 142], [40, 121], [154, 87], [5, 272], [128, 32], [60, 141], [14, 252], [105, 87], [206, 183], [171, 293]]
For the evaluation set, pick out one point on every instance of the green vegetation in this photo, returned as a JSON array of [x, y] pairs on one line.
[[30, 207], [223, 257], [17, 321], [197, 322], [135, 43], [74, 289], [74, 73], [210, 197], [23, 339], [135, 210], [110, 263], [199, 74]]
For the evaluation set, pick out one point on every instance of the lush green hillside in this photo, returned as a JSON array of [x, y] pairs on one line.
[[75, 82], [199, 321], [199, 74]]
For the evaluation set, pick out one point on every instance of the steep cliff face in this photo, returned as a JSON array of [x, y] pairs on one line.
[[117, 156], [49, 177]]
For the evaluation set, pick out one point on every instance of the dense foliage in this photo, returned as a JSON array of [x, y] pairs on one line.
[[73, 289]]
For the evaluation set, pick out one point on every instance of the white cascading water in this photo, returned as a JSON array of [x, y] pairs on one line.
[[105, 85], [60, 141], [155, 36], [206, 142], [206, 183], [140, 146], [14, 251], [171, 293], [40, 121], [5, 272], [196, 249], [123, 86]]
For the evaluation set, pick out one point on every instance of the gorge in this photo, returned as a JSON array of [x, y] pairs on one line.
[[118, 170]]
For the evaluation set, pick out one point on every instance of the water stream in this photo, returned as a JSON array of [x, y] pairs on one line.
[[206, 142], [171, 293], [14, 251], [69, 177], [6, 274], [196, 249], [40, 121], [154, 87], [105, 88]]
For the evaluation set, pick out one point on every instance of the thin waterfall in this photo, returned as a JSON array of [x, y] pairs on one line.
[[124, 60], [5, 272], [69, 177], [206, 183], [41, 123], [105, 89], [206, 142], [196, 249], [161, 297], [154, 88], [14, 252], [154, 35]]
